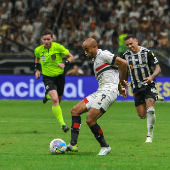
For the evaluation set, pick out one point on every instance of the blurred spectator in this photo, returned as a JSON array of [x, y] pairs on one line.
[[114, 19], [3, 15], [108, 34], [93, 33], [144, 23], [37, 29], [62, 33], [29, 42], [104, 11], [90, 6], [8, 6], [27, 27], [125, 5], [15, 47], [75, 71], [124, 24], [33, 13], [100, 27], [48, 24], [168, 31], [20, 17], [21, 5], [6, 40], [4, 27], [85, 67], [140, 34], [78, 45], [93, 17], [85, 23], [81, 8], [79, 33], [163, 40], [134, 17], [119, 12], [45, 10], [15, 24], [148, 42]]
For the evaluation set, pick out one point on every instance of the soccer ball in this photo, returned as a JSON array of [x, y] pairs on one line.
[[57, 146]]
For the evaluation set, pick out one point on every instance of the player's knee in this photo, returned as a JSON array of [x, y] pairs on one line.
[[89, 121], [74, 111], [151, 110], [55, 101], [142, 117]]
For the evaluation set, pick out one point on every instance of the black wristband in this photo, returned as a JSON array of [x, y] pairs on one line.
[[37, 67], [67, 63]]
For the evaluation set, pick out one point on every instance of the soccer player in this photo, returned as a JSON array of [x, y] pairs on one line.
[[140, 62], [106, 72], [48, 57]]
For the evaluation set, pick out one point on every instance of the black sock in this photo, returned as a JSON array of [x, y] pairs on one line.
[[98, 133], [75, 128]]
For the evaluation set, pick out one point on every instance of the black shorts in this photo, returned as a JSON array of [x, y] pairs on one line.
[[145, 92], [54, 83]]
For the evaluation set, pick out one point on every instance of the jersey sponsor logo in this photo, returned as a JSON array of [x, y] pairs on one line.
[[53, 57], [153, 90], [156, 60], [43, 57], [131, 67]]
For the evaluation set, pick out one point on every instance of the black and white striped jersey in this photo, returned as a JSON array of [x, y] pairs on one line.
[[140, 66]]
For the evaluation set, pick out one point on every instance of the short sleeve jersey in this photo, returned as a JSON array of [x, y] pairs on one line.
[[50, 58], [106, 74], [140, 66]]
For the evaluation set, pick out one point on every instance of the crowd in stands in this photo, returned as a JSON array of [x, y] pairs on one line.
[[108, 21]]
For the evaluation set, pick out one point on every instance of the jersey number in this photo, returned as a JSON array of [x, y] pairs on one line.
[[103, 96]]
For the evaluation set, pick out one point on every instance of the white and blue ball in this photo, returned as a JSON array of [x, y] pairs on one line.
[[57, 146]]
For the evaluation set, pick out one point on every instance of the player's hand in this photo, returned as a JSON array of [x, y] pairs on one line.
[[148, 80], [123, 92], [61, 65], [124, 83], [37, 74]]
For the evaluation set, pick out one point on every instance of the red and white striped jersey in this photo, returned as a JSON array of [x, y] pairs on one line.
[[106, 72]]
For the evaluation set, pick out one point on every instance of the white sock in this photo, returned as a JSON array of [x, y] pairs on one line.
[[150, 121]]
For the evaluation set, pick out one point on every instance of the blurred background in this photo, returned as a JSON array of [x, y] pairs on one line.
[[72, 21]]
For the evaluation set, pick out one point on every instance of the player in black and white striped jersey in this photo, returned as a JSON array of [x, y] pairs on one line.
[[140, 65]]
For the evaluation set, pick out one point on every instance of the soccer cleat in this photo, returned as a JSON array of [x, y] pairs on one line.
[[148, 139], [45, 99], [104, 150], [65, 128], [160, 98], [72, 148]]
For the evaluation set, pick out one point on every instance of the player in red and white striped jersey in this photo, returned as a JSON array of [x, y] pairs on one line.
[[106, 72]]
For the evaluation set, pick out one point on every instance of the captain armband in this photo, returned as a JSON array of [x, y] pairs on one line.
[[37, 67], [67, 62]]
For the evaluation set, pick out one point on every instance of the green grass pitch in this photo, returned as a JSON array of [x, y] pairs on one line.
[[27, 128]]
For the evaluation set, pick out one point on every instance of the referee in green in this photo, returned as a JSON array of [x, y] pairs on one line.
[[48, 58]]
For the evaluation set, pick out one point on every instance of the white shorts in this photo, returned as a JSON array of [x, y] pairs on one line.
[[100, 100]]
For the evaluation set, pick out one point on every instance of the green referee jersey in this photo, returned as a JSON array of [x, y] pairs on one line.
[[50, 58]]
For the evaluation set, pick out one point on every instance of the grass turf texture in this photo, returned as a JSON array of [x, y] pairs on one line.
[[27, 128]]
